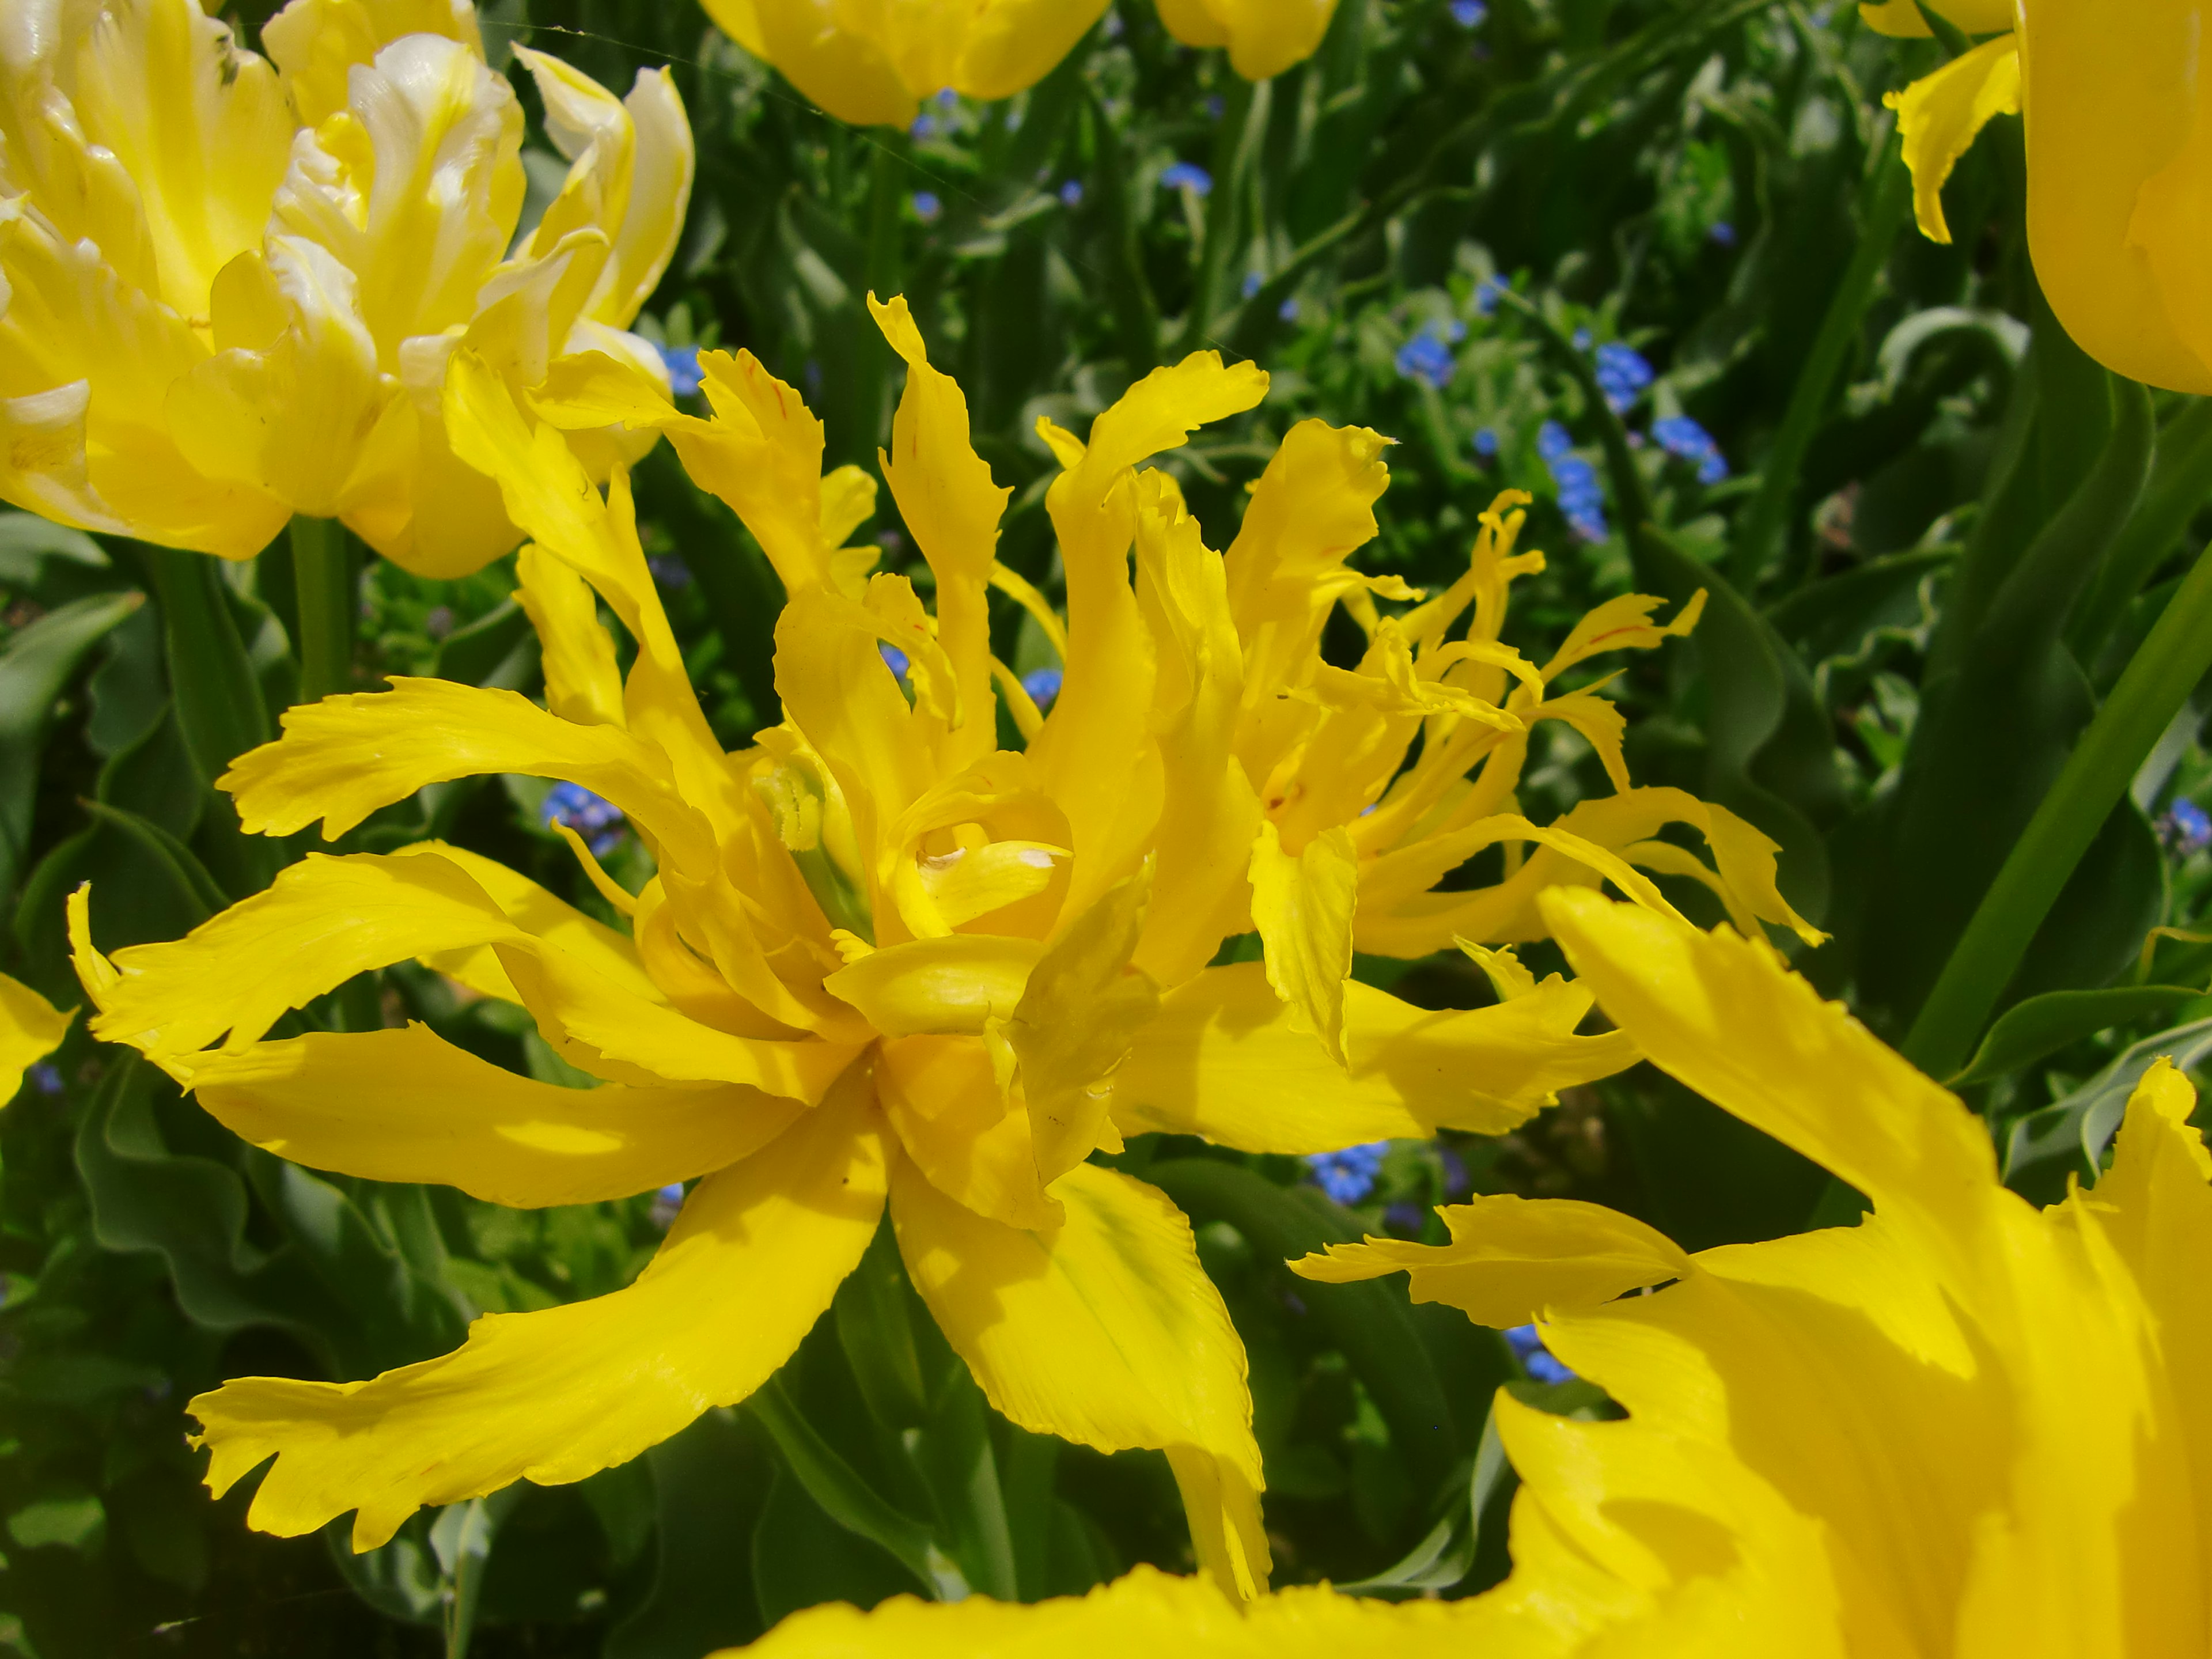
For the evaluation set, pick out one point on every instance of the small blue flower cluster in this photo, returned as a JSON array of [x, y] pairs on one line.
[[665, 1203], [1349, 1175], [1043, 686], [683, 365], [1470, 14], [1428, 356], [1622, 374], [1485, 296], [927, 207], [1536, 1358], [46, 1078], [2185, 828], [1722, 232], [894, 660], [1070, 193], [1485, 442], [1680, 436], [600, 823], [1582, 498], [1186, 175]]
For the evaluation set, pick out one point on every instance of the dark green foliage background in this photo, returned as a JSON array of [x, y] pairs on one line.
[[1945, 532]]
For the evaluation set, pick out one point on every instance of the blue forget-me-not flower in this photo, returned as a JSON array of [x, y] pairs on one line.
[[1582, 498], [2185, 828], [683, 365], [1187, 175], [1536, 1358], [1680, 436], [600, 823], [1043, 686], [1622, 373], [1349, 1175]]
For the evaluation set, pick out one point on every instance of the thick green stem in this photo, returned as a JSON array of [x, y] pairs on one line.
[[1764, 524], [320, 570], [2156, 683]]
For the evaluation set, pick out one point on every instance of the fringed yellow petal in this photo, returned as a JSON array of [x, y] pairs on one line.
[[1623, 624], [1083, 1006], [1511, 1259], [1901, 18], [342, 758], [1105, 1331], [554, 1397], [1939, 115], [406, 1105], [31, 1028], [323, 920], [1303, 907], [1726, 1017], [1224, 1061]]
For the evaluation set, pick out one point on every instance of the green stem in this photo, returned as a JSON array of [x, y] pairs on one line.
[[1764, 524], [2180, 480], [2156, 683], [320, 569]]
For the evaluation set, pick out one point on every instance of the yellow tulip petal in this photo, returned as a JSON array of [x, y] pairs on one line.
[[31, 1028], [554, 1397], [291, 418], [411, 498], [1303, 907], [1901, 18], [2090, 282], [1623, 624], [1105, 1331], [951, 1110], [1224, 1061], [1723, 1015], [583, 682], [316, 42], [542, 916], [1082, 1007], [342, 758], [1194, 23], [611, 1031], [943, 987], [1162, 411], [83, 356], [1511, 1259], [1210, 814], [1265, 37], [1939, 115], [762, 455], [1147, 1611], [839, 68], [406, 1105], [547, 492], [1015, 44], [200, 128], [322, 920], [416, 188]]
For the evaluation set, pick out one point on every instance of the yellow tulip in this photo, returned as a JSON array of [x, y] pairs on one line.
[[872, 61], [229, 287], [2119, 165], [883, 962], [1264, 37], [1963, 1427], [31, 1028]]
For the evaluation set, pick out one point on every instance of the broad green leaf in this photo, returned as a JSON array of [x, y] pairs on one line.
[[2069, 1136], [2027, 1031]]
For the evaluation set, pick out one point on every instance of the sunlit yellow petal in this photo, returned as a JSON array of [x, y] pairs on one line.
[[342, 758], [1145, 1612], [1103, 1331], [1724, 1015], [1082, 1007], [1902, 18], [1264, 37], [315, 42], [405, 1105], [1511, 1259], [31, 1028], [1303, 907], [554, 1397], [1939, 115], [938, 986], [1224, 1061], [583, 682], [1015, 44], [951, 1111]]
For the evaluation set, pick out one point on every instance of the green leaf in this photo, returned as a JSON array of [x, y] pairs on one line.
[[831, 1482], [165, 854], [2180, 482], [2042, 1025], [710, 1486], [26, 538], [72, 1522], [36, 665], [485, 651], [2069, 1136]]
